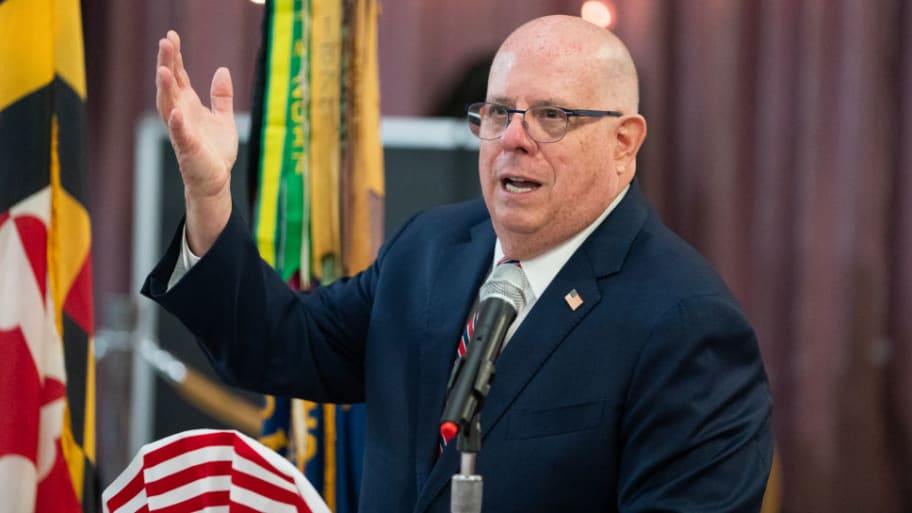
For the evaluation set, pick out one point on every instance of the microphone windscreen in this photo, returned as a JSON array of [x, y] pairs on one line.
[[507, 282]]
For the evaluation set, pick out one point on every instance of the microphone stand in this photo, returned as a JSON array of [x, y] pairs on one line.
[[472, 380], [466, 487]]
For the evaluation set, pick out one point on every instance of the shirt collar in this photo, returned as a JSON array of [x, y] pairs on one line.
[[541, 270]]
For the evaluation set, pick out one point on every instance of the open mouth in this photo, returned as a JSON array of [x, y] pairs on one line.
[[520, 186]]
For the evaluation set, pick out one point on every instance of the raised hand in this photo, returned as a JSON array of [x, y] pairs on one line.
[[205, 142]]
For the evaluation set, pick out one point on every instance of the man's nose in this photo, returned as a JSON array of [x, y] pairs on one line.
[[516, 134], [516, 116]]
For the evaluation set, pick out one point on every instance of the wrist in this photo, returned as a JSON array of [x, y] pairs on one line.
[[207, 216]]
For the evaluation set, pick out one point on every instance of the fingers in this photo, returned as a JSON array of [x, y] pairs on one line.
[[166, 88], [166, 92], [177, 62], [165, 53], [221, 94], [171, 79]]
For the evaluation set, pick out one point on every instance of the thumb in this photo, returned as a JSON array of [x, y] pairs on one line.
[[221, 94]]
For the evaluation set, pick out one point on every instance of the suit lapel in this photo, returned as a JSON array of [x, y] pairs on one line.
[[541, 333], [552, 319], [545, 328], [461, 270]]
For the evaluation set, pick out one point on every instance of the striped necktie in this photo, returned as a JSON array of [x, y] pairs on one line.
[[466, 338]]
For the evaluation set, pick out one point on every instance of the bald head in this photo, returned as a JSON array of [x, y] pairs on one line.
[[581, 47]]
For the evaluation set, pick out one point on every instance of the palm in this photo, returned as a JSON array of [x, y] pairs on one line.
[[209, 146]]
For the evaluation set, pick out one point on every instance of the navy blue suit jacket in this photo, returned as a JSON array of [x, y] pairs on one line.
[[649, 397]]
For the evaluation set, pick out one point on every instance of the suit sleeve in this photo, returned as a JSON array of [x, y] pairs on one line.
[[696, 433], [259, 334]]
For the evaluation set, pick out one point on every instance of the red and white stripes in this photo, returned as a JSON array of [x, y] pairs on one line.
[[210, 471]]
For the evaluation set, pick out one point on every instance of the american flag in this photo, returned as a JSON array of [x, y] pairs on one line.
[[212, 471], [573, 299]]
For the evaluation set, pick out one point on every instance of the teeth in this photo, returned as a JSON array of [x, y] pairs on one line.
[[518, 186]]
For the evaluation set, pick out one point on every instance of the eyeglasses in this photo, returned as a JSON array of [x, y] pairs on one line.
[[544, 124]]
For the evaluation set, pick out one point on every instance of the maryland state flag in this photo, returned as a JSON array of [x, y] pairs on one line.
[[47, 381], [317, 183]]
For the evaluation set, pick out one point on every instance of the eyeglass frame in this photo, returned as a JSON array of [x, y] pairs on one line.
[[583, 113]]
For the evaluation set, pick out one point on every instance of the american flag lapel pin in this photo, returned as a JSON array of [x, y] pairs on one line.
[[573, 300]]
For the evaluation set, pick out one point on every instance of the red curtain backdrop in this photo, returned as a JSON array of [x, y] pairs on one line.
[[780, 144]]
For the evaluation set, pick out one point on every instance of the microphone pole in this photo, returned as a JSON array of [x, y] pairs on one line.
[[471, 379]]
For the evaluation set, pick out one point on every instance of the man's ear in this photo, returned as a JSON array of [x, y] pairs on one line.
[[631, 132]]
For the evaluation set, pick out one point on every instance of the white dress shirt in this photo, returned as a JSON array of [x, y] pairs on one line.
[[541, 270]]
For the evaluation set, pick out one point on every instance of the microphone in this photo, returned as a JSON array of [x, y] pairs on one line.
[[502, 297]]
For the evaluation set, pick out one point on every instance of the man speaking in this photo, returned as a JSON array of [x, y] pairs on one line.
[[629, 380]]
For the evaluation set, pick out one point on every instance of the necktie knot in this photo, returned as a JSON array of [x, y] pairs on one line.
[[507, 260]]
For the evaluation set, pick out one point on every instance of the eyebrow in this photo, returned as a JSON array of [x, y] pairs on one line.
[[509, 102]]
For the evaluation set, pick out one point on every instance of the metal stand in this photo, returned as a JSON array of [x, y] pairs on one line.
[[469, 385], [467, 486]]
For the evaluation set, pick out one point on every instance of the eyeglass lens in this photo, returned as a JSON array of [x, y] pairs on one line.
[[543, 123]]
